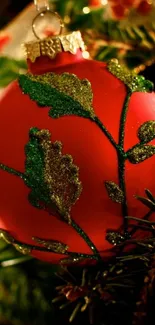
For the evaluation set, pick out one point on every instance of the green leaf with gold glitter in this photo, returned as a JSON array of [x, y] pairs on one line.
[[140, 153], [134, 82], [51, 245], [146, 132], [114, 192], [52, 177], [65, 94], [40, 195]]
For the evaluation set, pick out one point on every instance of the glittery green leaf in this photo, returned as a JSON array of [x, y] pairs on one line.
[[52, 177], [114, 192], [65, 94], [134, 82], [39, 195], [141, 153], [146, 131]]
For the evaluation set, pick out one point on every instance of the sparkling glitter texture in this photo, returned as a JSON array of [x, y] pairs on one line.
[[131, 80], [52, 177], [114, 192], [115, 238], [140, 153], [22, 248], [65, 94], [52, 245], [146, 132]]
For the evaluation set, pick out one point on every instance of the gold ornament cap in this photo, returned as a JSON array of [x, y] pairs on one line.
[[53, 45]]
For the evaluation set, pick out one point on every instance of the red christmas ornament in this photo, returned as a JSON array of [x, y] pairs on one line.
[[53, 205]]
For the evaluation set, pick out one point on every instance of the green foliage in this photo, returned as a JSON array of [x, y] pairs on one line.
[[133, 45], [23, 298], [46, 95], [10, 69]]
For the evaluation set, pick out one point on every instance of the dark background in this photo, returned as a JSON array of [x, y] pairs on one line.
[[9, 9]]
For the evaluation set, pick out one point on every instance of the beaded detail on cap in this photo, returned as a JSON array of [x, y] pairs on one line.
[[51, 46]]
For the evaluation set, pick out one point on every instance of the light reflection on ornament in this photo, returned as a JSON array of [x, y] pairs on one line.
[[86, 55]]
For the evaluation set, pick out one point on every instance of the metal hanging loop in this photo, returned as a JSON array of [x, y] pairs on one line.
[[43, 9]]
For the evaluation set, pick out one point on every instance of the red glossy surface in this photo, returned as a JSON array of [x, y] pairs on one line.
[[91, 151]]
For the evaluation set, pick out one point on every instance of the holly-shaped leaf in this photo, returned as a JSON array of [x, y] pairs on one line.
[[114, 192], [146, 132], [65, 94], [140, 153], [51, 176]]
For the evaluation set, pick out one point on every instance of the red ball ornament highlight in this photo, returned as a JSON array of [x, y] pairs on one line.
[[76, 149]]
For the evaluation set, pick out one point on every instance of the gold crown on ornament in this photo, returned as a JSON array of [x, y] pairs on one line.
[[53, 45]]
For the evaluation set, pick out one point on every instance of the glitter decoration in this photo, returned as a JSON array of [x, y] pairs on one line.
[[53, 246], [6, 237], [71, 260], [134, 82], [114, 192], [140, 153], [146, 131], [23, 248], [12, 171], [52, 177], [86, 238], [65, 94], [49, 246], [115, 238]]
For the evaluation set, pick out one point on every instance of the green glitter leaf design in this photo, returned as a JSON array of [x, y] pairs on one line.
[[141, 153], [134, 82], [39, 197], [65, 94], [114, 192], [52, 177], [146, 132]]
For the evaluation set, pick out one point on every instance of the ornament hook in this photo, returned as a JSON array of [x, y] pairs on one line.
[[44, 9], [42, 4]]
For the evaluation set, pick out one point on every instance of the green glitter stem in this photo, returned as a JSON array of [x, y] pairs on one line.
[[123, 119], [44, 249], [86, 239], [105, 131], [122, 157], [12, 171]]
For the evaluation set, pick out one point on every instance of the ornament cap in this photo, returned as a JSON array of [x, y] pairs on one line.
[[53, 45]]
